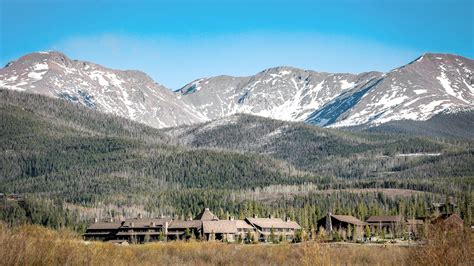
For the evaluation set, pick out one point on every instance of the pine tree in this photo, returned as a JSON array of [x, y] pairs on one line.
[[298, 236], [282, 238], [367, 232], [349, 232], [248, 237], [272, 235], [187, 234]]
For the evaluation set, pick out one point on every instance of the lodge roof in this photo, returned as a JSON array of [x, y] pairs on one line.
[[104, 226], [222, 226], [138, 233], [385, 219], [241, 224], [97, 233], [273, 222], [145, 222], [206, 215], [348, 219], [180, 224]]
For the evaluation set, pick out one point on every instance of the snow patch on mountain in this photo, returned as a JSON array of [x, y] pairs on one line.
[[447, 87], [98, 76], [40, 67], [418, 92], [346, 85], [36, 75]]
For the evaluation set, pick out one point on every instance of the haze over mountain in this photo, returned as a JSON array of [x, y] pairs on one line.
[[432, 84]]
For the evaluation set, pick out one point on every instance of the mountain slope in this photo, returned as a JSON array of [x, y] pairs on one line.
[[455, 125], [427, 86], [282, 93], [130, 94], [432, 84], [56, 148], [322, 151]]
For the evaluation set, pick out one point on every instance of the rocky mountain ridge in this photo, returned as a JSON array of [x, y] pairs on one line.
[[130, 94], [431, 84]]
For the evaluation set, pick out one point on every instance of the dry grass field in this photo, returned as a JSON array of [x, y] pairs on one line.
[[34, 245]]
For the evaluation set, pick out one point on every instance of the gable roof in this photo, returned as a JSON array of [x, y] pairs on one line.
[[145, 222], [273, 222], [348, 219], [241, 224], [206, 215], [455, 218], [104, 226], [449, 219], [223, 227], [180, 224], [385, 219]]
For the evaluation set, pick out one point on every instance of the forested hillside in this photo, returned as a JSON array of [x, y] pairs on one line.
[[332, 152], [444, 125], [45, 150], [87, 164]]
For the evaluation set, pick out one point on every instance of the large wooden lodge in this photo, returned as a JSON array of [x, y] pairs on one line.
[[204, 226], [207, 226]]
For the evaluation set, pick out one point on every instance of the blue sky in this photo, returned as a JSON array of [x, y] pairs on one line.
[[176, 42]]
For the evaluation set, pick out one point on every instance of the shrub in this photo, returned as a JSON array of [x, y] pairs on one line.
[[445, 245]]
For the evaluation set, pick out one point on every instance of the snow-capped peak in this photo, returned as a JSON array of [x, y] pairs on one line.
[[428, 85]]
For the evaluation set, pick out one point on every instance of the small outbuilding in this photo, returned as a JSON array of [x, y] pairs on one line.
[[332, 222], [452, 220], [386, 222], [264, 227]]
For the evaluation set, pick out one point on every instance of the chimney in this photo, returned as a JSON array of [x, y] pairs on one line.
[[140, 216], [132, 224], [270, 216], [328, 222], [165, 228], [111, 220], [206, 209], [95, 220], [231, 218], [288, 219], [153, 224], [255, 216]]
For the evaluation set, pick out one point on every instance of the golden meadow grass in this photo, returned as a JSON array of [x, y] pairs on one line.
[[34, 245]]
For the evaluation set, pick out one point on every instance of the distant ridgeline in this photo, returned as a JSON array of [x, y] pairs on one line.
[[429, 85]]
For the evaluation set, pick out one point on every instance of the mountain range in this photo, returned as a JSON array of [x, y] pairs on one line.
[[430, 85]]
